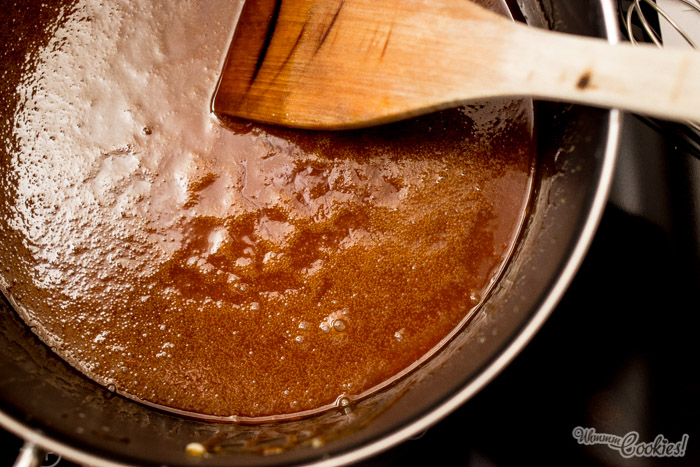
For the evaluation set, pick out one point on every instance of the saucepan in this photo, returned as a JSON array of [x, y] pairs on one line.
[[50, 405]]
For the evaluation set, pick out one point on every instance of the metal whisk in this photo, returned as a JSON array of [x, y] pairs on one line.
[[641, 20], [635, 9]]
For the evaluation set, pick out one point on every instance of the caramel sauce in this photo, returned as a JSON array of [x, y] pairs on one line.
[[224, 269]]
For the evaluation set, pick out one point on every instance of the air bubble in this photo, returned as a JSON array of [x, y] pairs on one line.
[[474, 298], [339, 325], [342, 401]]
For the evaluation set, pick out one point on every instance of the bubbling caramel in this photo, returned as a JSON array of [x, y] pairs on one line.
[[224, 269]]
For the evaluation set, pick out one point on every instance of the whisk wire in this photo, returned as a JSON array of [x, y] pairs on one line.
[[689, 132], [636, 8]]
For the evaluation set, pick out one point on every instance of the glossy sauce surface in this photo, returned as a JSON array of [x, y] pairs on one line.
[[236, 270]]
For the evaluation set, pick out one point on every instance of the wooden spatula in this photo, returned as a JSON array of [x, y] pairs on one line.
[[333, 64]]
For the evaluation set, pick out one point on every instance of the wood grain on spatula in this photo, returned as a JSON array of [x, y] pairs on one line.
[[335, 64]]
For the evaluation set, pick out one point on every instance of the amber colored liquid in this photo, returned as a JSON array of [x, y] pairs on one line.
[[235, 270]]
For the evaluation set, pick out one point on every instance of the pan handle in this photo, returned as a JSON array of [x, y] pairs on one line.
[[30, 455]]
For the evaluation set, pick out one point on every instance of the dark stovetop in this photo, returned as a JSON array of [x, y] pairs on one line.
[[619, 353]]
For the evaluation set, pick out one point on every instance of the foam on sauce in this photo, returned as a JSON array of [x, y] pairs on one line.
[[242, 271]]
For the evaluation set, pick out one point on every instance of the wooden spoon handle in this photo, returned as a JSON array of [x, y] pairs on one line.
[[643, 79], [488, 56]]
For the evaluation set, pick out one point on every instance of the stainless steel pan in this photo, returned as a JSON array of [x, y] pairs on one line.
[[50, 405]]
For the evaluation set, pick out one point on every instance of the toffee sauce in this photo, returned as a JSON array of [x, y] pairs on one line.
[[237, 272]]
